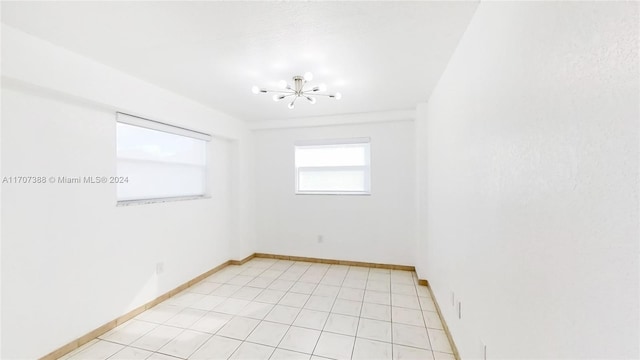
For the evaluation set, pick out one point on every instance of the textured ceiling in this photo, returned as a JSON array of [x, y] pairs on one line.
[[379, 55]]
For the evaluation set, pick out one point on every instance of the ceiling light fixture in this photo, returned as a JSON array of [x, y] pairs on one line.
[[297, 90]]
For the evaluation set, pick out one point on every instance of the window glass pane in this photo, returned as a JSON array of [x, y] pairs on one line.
[[332, 180], [158, 164], [136, 142], [333, 167], [331, 155], [152, 180]]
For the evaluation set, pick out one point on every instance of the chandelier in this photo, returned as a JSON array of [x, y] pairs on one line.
[[297, 90]]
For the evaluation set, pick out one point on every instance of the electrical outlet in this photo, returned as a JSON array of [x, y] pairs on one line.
[[159, 268], [320, 239]]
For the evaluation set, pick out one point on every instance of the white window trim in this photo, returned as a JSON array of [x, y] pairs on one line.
[[329, 142]]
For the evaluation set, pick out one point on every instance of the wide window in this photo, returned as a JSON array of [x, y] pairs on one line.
[[157, 161], [333, 166]]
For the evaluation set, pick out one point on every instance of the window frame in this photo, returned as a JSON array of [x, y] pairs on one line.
[[328, 143], [154, 125]]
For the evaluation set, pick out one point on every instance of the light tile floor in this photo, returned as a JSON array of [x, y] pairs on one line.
[[277, 309]]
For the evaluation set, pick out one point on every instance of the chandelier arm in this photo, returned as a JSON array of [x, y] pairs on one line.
[[280, 91], [316, 94], [304, 83]]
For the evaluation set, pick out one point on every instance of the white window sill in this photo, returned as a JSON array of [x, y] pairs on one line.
[[160, 200]]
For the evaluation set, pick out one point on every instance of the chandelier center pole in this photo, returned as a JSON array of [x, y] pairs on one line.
[[298, 83]]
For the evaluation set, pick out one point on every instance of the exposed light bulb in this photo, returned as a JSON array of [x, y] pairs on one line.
[[255, 89], [308, 76], [282, 84], [322, 87], [277, 97], [311, 100], [338, 96], [290, 106]]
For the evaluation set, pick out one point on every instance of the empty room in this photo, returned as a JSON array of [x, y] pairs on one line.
[[364, 180]]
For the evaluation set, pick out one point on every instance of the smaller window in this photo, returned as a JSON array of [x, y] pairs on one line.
[[333, 167]]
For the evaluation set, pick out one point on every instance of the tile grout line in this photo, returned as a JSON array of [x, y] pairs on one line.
[[326, 321], [290, 325], [232, 315], [214, 334], [294, 320], [355, 339], [261, 320], [134, 347], [127, 345]]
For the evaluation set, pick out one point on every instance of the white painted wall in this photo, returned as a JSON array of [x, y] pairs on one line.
[[68, 248], [530, 194], [377, 228]]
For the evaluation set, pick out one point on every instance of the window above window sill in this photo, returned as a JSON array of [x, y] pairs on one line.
[[160, 200]]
